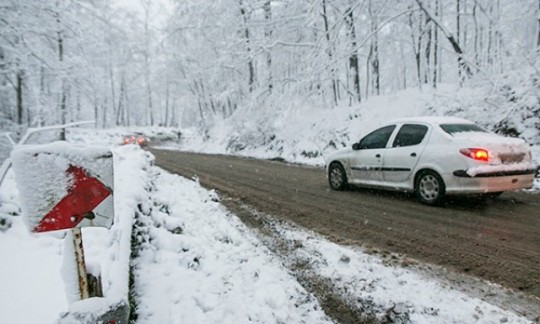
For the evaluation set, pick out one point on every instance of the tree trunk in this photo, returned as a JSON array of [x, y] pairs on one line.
[[203, 121], [477, 47], [251, 68], [19, 91], [166, 122], [538, 31], [416, 41], [458, 33], [353, 58], [374, 51], [96, 112], [489, 54], [403, 66], [464, 35], [435, 47], [268, 35], [427, 50], [63, 95], [147, 67], [498, 38], [113, 92], [150, 101], [174, 122], [330, 54], [120, 111], [78, 106]]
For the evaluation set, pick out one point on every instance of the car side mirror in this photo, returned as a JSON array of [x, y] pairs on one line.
[[356, 146]]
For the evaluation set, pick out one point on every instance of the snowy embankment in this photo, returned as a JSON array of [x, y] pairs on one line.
[[35, 287], [298, 131], [198, 264]]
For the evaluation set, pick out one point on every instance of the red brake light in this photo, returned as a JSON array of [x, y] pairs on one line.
[[476, 154]]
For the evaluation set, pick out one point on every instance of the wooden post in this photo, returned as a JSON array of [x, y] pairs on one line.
[[81, 265]]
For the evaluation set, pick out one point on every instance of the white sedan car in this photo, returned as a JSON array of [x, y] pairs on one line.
[[434, 156]]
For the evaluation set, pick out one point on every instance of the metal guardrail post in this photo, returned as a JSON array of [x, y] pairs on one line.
[[81, 265]]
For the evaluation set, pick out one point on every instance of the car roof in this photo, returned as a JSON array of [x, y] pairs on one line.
[[433, 120]]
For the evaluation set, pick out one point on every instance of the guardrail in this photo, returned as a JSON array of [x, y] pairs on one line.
[[6, 165]]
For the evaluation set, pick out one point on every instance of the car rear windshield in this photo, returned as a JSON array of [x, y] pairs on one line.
[[458, 128]]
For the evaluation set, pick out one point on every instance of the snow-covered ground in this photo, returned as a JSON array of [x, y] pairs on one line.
[[32, 290]]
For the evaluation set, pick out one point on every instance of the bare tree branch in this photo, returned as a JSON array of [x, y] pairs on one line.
[[455, 45]]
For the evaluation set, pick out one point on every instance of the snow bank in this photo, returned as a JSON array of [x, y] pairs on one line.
[[199, 264], [111, 249], [33, 286], [367, 282], [32, 290]]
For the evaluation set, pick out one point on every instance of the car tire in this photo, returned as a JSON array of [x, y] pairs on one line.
[[429, 187], [337, 178]]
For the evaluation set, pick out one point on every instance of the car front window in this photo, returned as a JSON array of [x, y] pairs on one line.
[[378, 138]]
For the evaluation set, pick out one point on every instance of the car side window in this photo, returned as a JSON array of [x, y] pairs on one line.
[[409, 135], [377, 139]]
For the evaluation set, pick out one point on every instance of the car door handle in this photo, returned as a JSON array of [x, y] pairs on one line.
[[413, 154], [378, 156]]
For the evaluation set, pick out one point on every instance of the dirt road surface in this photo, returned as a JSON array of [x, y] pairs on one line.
[[496, 240]]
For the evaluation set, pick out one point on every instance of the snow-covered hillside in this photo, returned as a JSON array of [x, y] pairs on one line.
[[300, 132]]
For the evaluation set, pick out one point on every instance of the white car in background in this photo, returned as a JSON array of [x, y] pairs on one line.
[[432, 157]]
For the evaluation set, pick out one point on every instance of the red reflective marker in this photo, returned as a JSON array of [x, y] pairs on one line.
[[85, 194]]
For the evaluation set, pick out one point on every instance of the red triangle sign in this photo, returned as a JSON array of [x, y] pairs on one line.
[[85, 194]]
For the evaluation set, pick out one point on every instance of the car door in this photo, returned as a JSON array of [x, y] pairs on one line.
[[367, 156], [401, 158]]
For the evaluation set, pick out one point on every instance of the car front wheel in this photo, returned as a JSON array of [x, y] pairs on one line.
[[337, 177], [429, 187]]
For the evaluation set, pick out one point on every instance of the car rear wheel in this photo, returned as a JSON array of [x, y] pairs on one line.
[[429, 187], [337, 178]]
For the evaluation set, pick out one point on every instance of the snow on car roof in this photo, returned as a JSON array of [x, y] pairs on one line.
[[435, 120]]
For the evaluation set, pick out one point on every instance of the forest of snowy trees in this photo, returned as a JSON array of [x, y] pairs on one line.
[[188, 62]]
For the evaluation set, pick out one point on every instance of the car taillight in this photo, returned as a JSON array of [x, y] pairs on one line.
[[126, 140], [140, 140], [476, 154]]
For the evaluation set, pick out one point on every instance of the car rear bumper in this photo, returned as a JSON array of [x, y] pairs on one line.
[[490, 182], [465, 174]]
